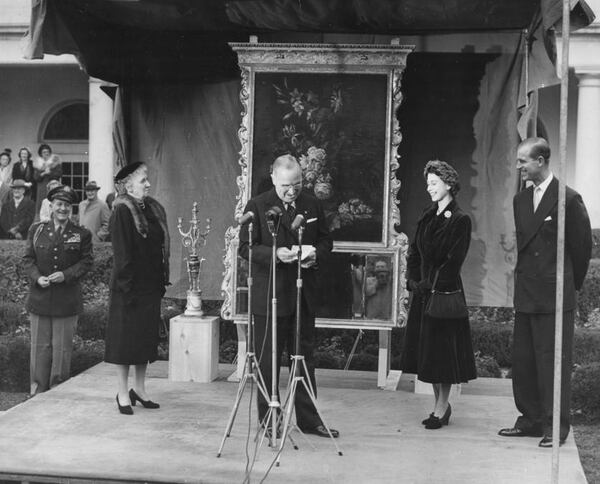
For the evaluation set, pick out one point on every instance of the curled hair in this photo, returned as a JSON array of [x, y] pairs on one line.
[[446, 173], [44, 147]]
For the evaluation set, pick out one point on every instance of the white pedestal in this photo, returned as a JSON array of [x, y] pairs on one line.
[[426, 388], [194, 348]]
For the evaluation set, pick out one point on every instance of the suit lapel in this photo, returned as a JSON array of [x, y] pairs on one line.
[[532, 221]]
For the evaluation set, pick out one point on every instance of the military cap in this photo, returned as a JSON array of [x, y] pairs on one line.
[[64, 193]]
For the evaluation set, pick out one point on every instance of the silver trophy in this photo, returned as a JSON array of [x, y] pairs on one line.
[[192, 240]]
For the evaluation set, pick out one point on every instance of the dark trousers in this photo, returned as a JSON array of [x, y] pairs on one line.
[[306, 414], [533, 371]]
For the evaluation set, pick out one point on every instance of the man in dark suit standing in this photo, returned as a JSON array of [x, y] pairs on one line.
[[536, 213], [286, 198]]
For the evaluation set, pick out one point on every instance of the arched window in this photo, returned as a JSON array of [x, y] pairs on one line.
[[68, 123], [66, 128]]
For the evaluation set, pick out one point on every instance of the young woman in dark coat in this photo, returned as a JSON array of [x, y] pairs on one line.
[[439, 351], [23, 170], [140, 240]]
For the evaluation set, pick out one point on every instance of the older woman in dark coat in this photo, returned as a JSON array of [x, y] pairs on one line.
[[140, 241], [438, 350]]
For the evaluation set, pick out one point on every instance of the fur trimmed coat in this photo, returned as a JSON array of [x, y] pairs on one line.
[[439, 351], [140, 240]]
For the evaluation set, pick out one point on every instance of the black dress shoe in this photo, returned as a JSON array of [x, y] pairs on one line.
[[426, 421], [434, 423], [430, 423], [124, 409], [321, 431], [145, 403], [517, 432], [547, 442]]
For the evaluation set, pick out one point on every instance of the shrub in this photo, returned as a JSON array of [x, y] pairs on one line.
[[493, 339], [86, 353], [586, 346], [487, 366], [588, 301], [585, 391], [12, 316], [325, 359], [14, 363], [92, 322], [364, 362], [228, 351]]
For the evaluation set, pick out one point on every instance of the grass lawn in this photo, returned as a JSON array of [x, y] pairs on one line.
[[587, 437]]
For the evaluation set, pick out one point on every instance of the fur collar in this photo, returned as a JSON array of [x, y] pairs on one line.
[[141, 224]]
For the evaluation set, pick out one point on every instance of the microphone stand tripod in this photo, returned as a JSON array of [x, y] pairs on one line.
[[272, 417], [298, 365], [252, 372]]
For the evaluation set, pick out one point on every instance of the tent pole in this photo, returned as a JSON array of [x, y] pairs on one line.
[[560, 242]]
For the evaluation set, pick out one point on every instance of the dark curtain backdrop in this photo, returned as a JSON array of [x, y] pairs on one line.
[[461, 109], [188, 136], [458, 108]]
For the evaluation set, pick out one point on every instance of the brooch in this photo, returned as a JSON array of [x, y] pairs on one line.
[[447, 214]]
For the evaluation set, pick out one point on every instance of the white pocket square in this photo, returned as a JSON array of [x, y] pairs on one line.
[[548, 218]]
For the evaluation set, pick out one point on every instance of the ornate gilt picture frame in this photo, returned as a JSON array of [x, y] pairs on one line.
[[332, 106]]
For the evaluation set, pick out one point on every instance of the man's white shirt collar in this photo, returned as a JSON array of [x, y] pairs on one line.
[[544, 185]]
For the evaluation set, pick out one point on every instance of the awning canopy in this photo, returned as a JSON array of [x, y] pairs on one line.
[[157, 40]]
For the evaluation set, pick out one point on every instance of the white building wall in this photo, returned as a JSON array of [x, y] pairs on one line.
[[28, 93]]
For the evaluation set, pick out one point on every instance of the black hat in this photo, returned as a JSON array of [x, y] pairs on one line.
[[18, 183], [128, 170], [91, 185], [64, 193]]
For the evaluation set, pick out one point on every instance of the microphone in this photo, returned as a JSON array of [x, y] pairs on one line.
[[273, 213], [245, 218], [298, 221]]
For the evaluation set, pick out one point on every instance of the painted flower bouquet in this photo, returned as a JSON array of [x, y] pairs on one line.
[[313, 131]]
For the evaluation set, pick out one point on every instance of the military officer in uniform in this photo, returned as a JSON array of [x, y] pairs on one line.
[[58, 254]]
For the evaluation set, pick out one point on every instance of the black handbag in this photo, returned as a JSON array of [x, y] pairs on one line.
[[446, 304]]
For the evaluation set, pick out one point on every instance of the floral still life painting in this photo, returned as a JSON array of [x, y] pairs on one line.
[[335, 126]]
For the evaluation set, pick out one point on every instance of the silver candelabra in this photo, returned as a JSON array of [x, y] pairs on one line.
[[192, 240]]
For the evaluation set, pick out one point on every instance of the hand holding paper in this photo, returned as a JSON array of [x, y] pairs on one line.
[[309, 255]]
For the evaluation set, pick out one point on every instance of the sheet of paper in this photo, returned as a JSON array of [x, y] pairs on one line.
[[307, 250]]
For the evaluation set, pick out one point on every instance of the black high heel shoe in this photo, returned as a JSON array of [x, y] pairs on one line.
[[124, 409], [428, 419], [145, 403], [446, 418], [437, 422]]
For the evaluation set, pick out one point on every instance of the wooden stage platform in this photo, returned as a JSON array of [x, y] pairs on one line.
[[74, 433]]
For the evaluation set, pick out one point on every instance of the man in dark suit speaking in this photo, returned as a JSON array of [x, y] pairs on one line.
[[536, 214], [280, 207]]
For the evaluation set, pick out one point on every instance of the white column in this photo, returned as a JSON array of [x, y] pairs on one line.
[[587, 161], [101, 148]]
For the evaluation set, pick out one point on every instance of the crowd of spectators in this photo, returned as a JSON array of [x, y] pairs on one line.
[[24, 185]]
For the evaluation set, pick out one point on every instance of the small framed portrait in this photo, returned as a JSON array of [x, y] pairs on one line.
[[359, 288]]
